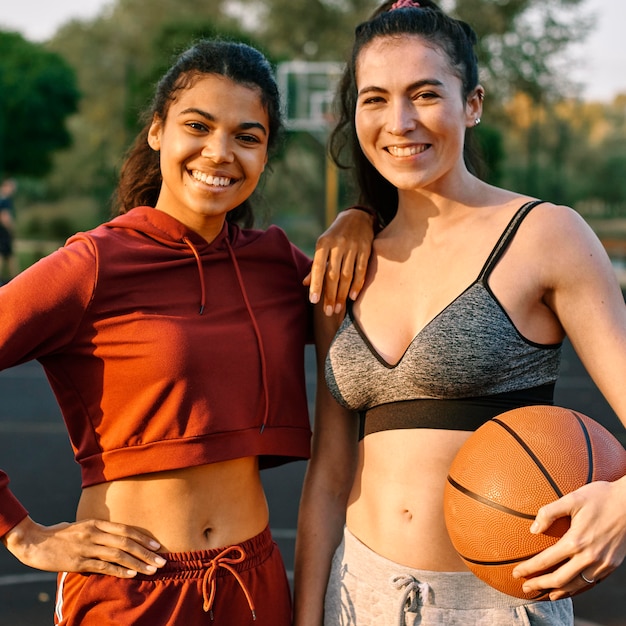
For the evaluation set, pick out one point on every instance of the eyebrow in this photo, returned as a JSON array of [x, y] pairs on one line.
[[211, 118], [432, 82]]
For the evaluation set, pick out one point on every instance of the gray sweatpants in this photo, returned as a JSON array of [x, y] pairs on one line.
[[366, 589]]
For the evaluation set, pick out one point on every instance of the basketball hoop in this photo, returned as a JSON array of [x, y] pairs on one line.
[[307, 90]]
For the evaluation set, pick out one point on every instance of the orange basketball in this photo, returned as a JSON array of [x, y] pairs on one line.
[[510, 467]]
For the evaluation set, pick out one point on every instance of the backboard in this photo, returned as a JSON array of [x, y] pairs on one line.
[[307, 89]]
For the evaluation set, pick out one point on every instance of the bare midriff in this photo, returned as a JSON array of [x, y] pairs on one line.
[[189, 509], [396, 503]]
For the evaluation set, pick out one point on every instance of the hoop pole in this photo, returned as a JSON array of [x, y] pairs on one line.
[[332, 191]]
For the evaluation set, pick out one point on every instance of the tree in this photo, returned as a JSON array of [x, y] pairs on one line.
[[118, 56], [523, 44], [37, 94], [318, 30]]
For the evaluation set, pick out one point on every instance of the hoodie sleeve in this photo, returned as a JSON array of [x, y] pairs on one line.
[[41, 309]]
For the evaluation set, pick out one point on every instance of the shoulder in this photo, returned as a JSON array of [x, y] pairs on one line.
[[272, 241], [560, 225], [563, 244], [273, 235]]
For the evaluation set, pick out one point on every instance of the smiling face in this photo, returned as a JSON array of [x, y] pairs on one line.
[[411, 116], [213, 150]]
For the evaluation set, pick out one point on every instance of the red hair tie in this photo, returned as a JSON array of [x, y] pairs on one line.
[[405, 4]]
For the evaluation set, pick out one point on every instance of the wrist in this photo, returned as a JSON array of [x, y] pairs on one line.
[[376, 225], [17, 536]]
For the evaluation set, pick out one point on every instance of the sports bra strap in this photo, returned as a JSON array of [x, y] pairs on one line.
[[506, 238]]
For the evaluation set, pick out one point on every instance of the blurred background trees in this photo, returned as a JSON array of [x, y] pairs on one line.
[[38, 92], [537, 135]]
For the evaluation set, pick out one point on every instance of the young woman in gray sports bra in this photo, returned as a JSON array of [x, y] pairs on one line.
[[470, 292]]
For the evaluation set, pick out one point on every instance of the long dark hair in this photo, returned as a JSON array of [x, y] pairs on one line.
[[454, 37], [140, 177]]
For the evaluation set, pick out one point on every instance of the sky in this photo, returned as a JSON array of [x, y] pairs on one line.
[[600, 65]]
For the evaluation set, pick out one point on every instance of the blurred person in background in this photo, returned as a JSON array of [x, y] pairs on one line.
[[8, 262]]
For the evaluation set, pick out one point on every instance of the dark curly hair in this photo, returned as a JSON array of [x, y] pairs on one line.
[[140, 177]]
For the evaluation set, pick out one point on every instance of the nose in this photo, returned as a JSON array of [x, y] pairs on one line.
[[217, 147], [402, 117]]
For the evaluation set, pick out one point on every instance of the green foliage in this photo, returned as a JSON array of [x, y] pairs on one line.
[[522, 44], [491, 149], [522, 48], [38, 92], [318, 30]]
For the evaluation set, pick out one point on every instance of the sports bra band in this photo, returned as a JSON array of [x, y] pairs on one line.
[[465, 414]]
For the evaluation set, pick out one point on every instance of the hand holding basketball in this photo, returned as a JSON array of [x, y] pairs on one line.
[[595, 544], [505, 472]]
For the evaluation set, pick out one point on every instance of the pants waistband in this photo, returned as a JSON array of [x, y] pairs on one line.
[[189, 565], [445, 585]]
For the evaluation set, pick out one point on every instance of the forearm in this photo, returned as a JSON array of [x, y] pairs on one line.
[[327, 485], [320, 528]]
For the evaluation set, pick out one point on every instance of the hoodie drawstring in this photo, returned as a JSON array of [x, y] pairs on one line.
[[255, 325], [200, 272], [257, 332]]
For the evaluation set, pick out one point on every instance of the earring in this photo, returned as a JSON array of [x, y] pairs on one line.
[[477, 121]]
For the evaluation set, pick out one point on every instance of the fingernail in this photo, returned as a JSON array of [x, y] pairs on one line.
[[154, 544], [314, 298], [534, 528], [338, 308], [150, 569], [131, 572], [160, 561], [328, 310], [353, 295]]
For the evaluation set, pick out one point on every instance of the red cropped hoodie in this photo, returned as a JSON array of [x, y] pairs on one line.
[[165, 351]]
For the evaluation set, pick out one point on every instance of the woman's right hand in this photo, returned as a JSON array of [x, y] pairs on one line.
[[88, 546], [340, 262]]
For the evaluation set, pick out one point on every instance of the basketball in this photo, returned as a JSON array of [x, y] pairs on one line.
[[510, 467]]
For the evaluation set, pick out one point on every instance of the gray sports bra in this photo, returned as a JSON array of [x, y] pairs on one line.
[[467, 365]]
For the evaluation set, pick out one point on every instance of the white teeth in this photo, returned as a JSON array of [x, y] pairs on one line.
[[406, 151], [216, 181]]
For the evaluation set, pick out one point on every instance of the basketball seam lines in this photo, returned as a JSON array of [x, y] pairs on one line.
[[589, 447], [530, 453], [487, 502], [499, 562]]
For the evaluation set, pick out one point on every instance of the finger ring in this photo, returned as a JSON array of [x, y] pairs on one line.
[[589, 581]]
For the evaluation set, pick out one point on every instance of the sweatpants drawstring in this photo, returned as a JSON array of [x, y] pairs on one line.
[[209, 582], [413, 591]]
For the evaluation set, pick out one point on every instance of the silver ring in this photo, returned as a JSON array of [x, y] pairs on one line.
[[589, 581]]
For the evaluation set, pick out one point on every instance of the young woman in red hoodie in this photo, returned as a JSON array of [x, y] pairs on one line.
[[173, 340]]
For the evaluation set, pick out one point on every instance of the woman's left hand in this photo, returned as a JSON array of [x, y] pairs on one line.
[[593, 547], [340, 261]]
